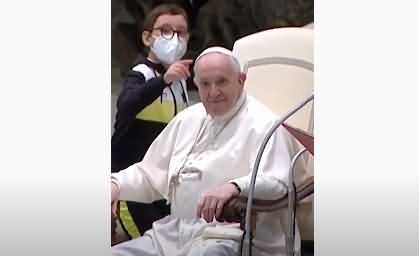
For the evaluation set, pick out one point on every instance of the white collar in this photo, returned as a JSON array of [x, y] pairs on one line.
[[229, 115]]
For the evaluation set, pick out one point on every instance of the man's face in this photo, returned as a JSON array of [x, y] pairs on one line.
[[219, 84]]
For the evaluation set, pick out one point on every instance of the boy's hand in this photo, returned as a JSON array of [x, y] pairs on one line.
[[177, 71]]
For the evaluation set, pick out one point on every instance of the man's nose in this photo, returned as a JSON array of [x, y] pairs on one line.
[[213, 91]]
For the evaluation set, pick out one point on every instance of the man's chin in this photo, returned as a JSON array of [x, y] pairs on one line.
[[216, 113]]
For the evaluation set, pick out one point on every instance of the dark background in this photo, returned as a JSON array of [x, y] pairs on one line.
[[213, 22]]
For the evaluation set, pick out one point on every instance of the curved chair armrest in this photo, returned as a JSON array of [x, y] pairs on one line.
[[234, 210]]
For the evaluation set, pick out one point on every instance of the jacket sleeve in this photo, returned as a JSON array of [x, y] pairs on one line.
[[137, 93]]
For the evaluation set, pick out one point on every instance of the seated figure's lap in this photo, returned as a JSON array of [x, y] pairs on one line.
[[215, 247], [142, 246], [171, 236]]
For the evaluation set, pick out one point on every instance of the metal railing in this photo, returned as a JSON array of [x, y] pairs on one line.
[[246, 249]]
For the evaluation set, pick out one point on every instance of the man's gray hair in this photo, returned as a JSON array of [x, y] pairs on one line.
[[220, 50]]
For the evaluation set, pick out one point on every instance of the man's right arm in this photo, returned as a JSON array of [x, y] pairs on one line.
[[140, 182], [147, 181]]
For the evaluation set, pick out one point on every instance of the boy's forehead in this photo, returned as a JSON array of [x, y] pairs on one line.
[[171, 20]]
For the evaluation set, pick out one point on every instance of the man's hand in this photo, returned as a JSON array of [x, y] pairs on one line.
[[177, 71], [114, 198], [211, 203]]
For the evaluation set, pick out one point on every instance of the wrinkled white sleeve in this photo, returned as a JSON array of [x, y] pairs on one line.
[[146, 181], [273, 172]]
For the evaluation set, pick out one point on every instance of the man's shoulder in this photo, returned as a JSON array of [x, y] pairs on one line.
[[260, 112], [260, 117]]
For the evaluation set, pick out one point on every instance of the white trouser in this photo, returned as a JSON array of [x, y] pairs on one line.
[[171, 236]]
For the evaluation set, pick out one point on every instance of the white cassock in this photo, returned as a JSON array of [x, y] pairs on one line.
[[196, 153]]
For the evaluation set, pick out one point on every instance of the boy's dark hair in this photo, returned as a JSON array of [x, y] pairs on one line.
[[172, 9]]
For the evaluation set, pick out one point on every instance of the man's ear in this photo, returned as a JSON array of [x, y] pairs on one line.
[[147, 39], [242, 78], [195, 81]]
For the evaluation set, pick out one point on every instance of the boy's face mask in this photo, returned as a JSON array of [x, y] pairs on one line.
[[168, 51]]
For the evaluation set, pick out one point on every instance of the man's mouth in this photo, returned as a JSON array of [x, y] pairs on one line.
[[215, 101]]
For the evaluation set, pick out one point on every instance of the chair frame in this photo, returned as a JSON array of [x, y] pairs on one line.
[[242, 209], [245, 213]]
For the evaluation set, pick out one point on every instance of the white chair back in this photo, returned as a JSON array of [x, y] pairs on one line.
[[279, 67]]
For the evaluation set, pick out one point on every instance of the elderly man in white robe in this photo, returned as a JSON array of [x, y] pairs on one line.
[[203, 158]]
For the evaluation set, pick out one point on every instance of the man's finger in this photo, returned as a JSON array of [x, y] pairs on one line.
[[212, 209], [219, 209], [205, 209], [207, 213], [199, 208]]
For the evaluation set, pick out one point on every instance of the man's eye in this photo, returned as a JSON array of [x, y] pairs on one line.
[[221, 81]]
